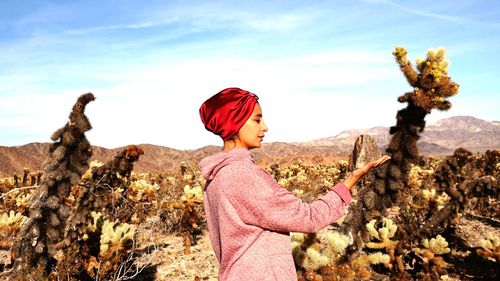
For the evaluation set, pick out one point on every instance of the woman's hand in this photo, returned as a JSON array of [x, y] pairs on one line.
[[353, 177]]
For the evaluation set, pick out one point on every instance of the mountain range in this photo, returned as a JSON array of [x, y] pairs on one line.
[[439, 138]]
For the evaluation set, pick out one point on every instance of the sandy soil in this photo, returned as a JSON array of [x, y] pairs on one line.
[[201, 262]]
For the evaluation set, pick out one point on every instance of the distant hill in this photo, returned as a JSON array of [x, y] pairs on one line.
[[464, 131], [159, 158], [439, 138]]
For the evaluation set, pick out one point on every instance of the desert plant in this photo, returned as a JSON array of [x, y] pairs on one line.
[[191, 215], [384, 234], [97, 231], [431, 86], [44, 230], [429, 260], [490, 247], [461, 184], [10, 221], [80, 238]]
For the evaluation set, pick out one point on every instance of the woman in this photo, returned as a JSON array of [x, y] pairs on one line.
[[249, 215]]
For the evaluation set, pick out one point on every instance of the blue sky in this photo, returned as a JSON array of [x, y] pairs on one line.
[[318, 67]]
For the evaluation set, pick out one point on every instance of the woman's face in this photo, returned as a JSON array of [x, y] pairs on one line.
[[252, 132]]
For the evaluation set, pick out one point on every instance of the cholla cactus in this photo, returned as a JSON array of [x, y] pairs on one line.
[[307, 181], [431, 255], [439, 200], [298, 192], [337, 243], [115, 238], [431, 87], [297, 237], [311, 259], [313, 251], [383, 234], [306, 251], [437, 245], [490, 247], [96, 223], [321, 256], [343, 165], [6, 184], [429, 194], [187, 173], [189, 205], [192, 195], [10, 221], [104, 189], [294, 176], [88, 174], [23, 200], [118, 170], [42, 234], [142, 188], [283, 182], [106, 244], [16, 180], [454, 176], [328, 183], [492, 242], [18, 199], [379, 258], [416, 176], [26, 173], [69, 238]]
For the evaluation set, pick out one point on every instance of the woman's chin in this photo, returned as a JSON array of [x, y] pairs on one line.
[[258, 145]]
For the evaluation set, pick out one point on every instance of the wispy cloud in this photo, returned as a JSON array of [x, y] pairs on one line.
[[129, 26], [462, 20]]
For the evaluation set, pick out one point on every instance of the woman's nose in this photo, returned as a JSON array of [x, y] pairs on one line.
[[264, 127]]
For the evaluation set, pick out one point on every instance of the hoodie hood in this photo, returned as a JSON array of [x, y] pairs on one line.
[[210, 165]]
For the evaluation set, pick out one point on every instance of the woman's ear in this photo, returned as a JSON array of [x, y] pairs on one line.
[[236, 140]]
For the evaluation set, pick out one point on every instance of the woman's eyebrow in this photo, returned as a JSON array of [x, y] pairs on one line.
[[258, 115]]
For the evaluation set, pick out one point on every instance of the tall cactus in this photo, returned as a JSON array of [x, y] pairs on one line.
[[69, 155], [431, 88]]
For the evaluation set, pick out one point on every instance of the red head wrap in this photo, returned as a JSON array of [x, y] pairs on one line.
[[227, 111]]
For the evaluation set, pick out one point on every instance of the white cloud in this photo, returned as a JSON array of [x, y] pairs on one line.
[[159, 104]]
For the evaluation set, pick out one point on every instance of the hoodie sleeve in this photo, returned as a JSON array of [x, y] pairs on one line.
[[260, 201]]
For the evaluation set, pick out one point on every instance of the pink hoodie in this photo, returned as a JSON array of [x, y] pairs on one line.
[[250, 216]]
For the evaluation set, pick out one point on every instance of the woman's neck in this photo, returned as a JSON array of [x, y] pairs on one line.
[[230, 145]]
